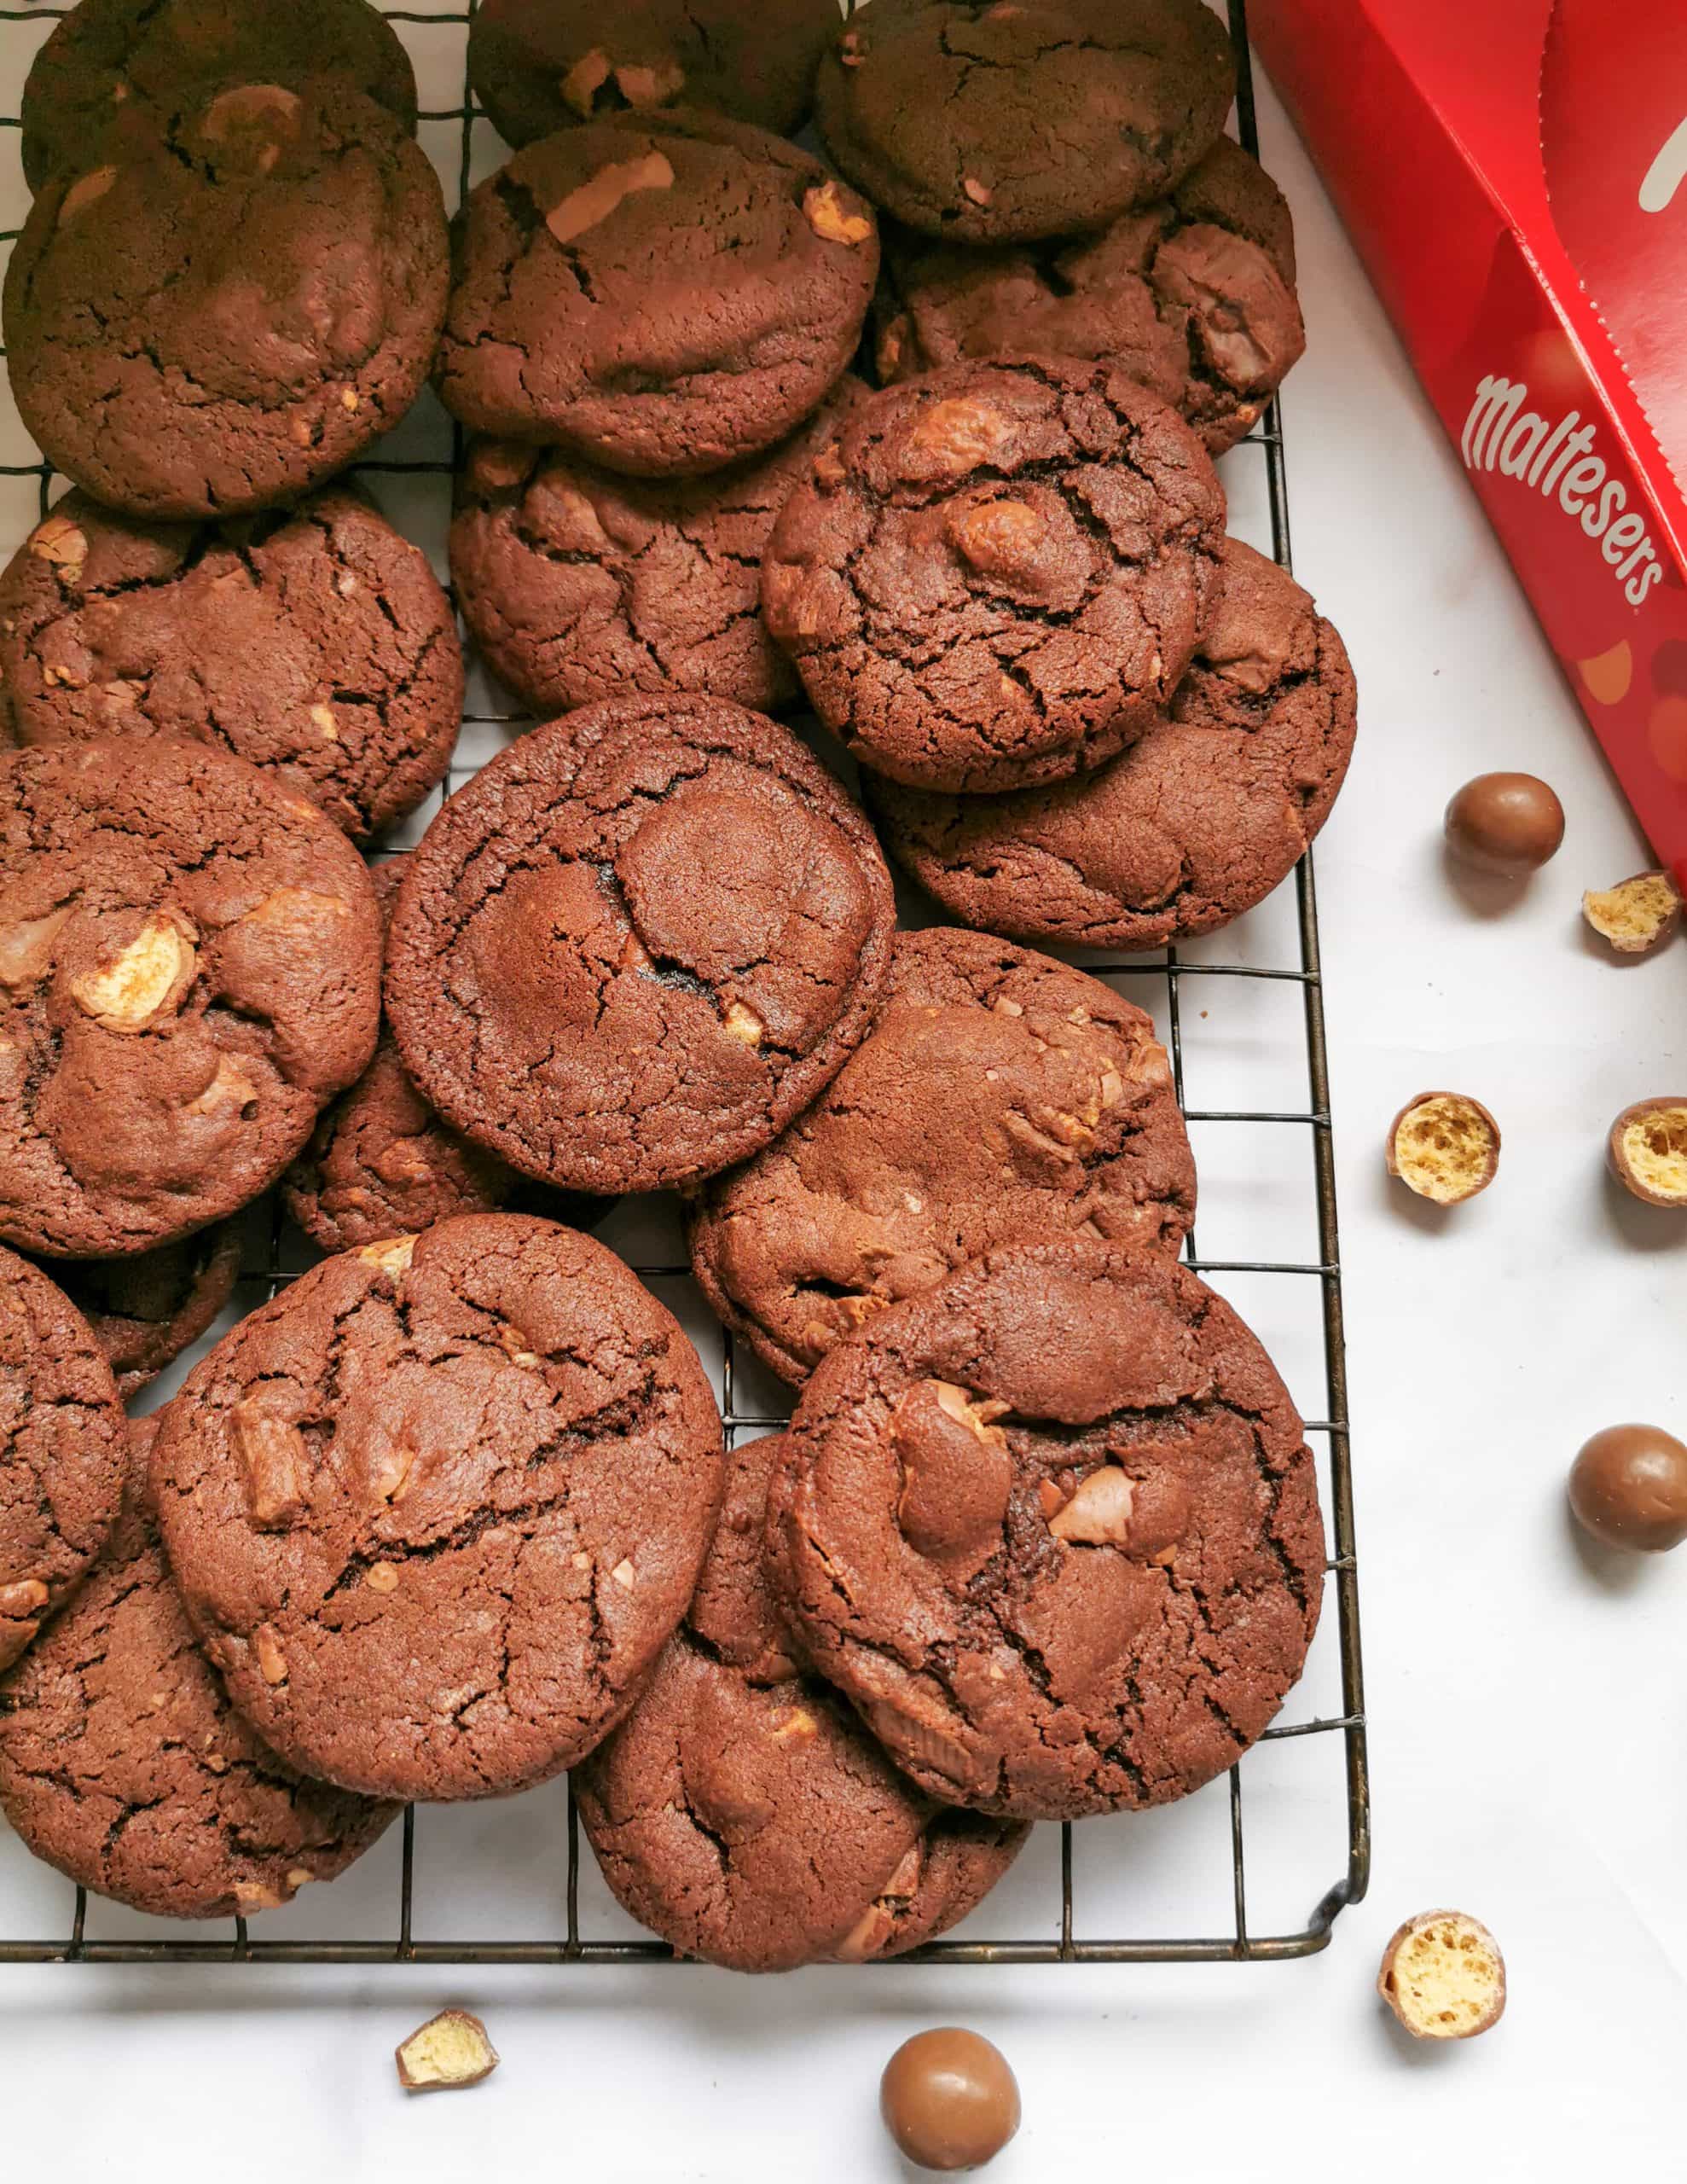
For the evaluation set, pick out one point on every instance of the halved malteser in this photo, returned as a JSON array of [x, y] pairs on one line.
[[1443, 1977]]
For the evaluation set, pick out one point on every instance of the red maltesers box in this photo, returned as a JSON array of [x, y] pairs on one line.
[[1513, 173]]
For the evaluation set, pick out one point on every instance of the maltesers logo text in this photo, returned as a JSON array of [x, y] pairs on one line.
[[1556, 461]]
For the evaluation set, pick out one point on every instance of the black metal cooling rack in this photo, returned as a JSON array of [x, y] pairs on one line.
[[1240, 1945]]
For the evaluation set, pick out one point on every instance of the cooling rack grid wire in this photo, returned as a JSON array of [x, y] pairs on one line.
[[1173, 985]]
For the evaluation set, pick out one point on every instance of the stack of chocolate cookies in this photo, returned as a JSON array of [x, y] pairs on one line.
[[450, 1512]]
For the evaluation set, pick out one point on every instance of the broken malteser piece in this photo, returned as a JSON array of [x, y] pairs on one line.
[[1646, 1149], [1636, 915], [957, 1475], [451, 2049], [1443, 1977], [1445, 1145]]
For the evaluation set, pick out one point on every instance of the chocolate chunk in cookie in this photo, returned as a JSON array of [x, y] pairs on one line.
[[638, 943], [1054, 1530], [189, 970], [541, 65], [742, 1811], [1196, 822], [999, 1095], [123, 1764], [999, 574], [317, 644], [62, 1451], [146, 1310], [577, 584], [436, 1510], [1193, 296], [661, 296], [1001, 122], [219, 320]]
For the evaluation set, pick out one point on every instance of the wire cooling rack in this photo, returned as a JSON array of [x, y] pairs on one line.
[[458, 138]]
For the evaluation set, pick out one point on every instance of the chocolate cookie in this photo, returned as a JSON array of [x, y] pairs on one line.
[[436, 1510], [661, 297], [577, 584], [1193, 825], [540, 65], [1053, 1527], [999, 1095], [218, 321], [317, 644], [638, 943], [742, 1812], [114, 65], [999, 574], [189, 970], [1003, 122], [1194, 297], [145, 1311], [123, 1764], [62, 1451]]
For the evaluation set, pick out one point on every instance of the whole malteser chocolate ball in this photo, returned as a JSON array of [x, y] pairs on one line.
[[1509, 823], [1628, 1487], [948, 2099]]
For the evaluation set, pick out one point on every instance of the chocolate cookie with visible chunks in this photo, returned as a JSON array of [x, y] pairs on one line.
[[318, 644], [742, 1811], [998, 1094], [123, 1764], [1054, 1529], [662, 296], [999, 574], [190, 970], [1193, 825], [63, 1451], [145, 1311], [638, 943], [436, 1510]]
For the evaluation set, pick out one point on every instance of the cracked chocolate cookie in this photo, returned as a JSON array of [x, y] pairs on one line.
[[638, 943], [1054, 1530], [62, 1451], [123, 1764], [541, 65], [577, 584], [999, 574], [318, 644], [145, 1311], [1194, 297], [998, 1095], [436, 1510], [661, 297], [112, 66], [742, 1813], [219, 321], [1004, 122], [189, 970], [1196, 822]]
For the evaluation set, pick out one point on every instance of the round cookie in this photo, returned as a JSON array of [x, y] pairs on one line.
[[662, 297], [1194, 824], [123, 1764], [62, 1451], [1006, 122], [145, 1311], [189, 970], [435, 1510], [1054, 1530], [577, 584], [541, 65], [1194, 297], [999, 1095], [742, 1813], [113, 64], [638, 943], [999, 574], [218, 321], [318, 644]]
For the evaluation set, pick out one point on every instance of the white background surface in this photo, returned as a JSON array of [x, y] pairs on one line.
[[1526, 1693]]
